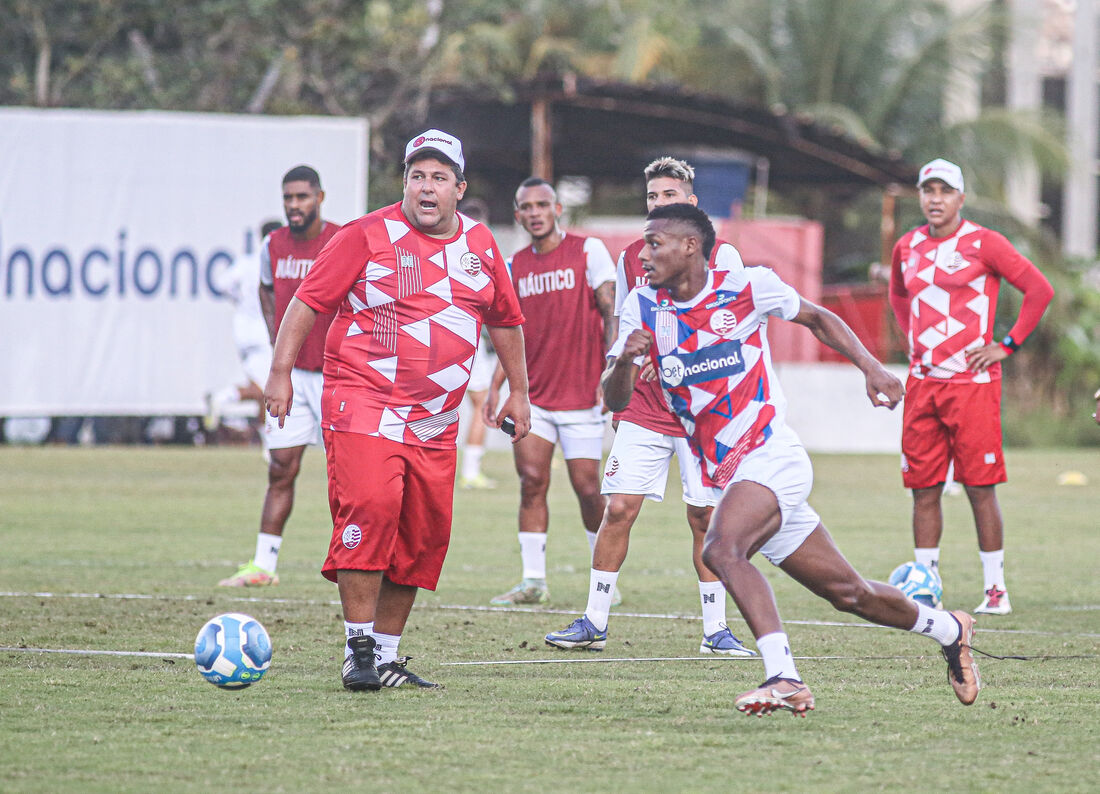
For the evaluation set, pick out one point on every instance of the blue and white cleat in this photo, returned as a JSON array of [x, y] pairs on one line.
[[579, 634], [723, 641]]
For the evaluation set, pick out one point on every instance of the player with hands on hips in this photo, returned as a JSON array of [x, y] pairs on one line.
[[944, 280]]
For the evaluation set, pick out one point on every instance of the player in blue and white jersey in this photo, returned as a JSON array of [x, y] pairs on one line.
[[704, 332]]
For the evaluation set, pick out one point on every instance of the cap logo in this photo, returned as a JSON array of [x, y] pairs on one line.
[[419, 141]]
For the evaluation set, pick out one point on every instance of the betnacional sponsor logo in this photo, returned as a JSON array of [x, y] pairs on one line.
[[352, 536], [711, 363], [471, 264], [119, 270], [422, 140]]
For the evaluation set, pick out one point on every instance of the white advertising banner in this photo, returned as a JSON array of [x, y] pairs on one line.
[[115, 228]]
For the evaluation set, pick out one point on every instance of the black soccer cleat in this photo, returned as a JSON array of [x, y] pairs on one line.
[[395, 674], [359, 672]]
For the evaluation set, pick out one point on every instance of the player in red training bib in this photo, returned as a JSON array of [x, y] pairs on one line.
[[703, 331], [944, 281], [411, 285], [566, 288], [286, 256], [647, 436]]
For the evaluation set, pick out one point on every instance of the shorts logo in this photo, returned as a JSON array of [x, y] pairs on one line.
[[470, 263], [904, 464], [612, 467], [990, 457], [352, 536], [723, 321]]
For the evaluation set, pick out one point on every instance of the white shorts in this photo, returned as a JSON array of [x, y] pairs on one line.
[[481, 371], [580, 432], [639, 463], [302, 425], [783, 467], [256, 363]]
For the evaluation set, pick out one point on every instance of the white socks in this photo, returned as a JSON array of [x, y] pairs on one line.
[[935, 623], [267, 551], [993, 569], [532, 550], [929, 558], [356, 630], [775, 650], [712, 595], [471, 461], [601, 587], [385, 645]]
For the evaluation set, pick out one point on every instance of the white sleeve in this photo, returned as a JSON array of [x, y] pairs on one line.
[[599, 269], [621, 287], [267, 277], [772, 294], [629, 320], [728, 258]]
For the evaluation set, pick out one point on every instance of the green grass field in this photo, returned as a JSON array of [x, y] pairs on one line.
[[152, 531]]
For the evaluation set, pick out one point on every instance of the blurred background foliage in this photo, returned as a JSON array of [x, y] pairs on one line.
[[874, 70]]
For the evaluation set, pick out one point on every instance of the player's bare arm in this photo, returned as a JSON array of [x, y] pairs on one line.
[[267, 306], [296, 325], [619, 379], [605, 302], [882, 387], [1038, 293], [489, 407], [508, 342]]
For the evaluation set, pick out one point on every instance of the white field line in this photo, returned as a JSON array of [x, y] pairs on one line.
[[86, 652], [712, 658], [983, 628]]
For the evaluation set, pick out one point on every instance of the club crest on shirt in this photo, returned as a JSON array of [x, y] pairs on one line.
[[955, 263], [723, 322], [470, 263]]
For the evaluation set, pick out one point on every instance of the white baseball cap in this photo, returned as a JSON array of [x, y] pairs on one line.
[[947, 172], [437, 141]]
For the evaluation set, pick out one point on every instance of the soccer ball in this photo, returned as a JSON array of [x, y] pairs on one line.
[[919, 583], [232, 651]]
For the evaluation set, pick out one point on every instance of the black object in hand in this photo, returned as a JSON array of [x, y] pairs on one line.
[[508, 426]]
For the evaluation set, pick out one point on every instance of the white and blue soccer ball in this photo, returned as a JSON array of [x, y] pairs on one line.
[[232, 651], [918, 583]]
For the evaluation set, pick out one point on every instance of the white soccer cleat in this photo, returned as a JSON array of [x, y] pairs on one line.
[[994, 603]]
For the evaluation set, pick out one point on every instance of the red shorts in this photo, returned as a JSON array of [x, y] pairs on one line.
[[944, 421], [391, 507]]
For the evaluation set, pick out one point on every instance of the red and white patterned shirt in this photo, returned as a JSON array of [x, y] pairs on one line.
[[714, 362], [647, 405], [950, 285], [284, 264], [563, 333], [409, 313]]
